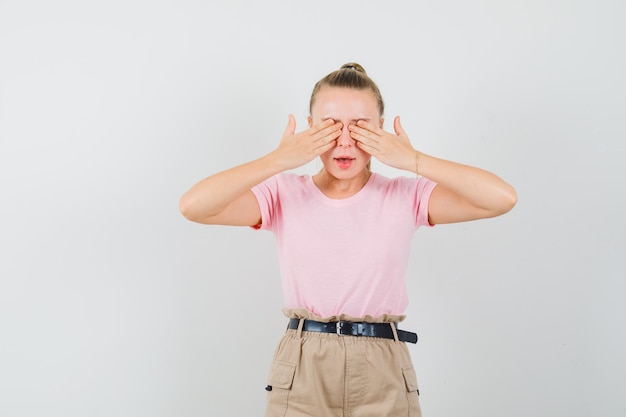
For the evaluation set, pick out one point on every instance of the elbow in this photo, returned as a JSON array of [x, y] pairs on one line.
[[185, 206], [194, 209], [503, 202], [508, 201]]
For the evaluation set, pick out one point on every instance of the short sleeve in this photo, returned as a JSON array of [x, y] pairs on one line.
[[419, 191], [266, 194], [425, 188]]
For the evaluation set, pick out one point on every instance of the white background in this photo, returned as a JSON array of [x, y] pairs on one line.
[[112, 304]]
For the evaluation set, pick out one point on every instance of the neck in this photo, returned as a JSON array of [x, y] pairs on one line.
[[338, 188]]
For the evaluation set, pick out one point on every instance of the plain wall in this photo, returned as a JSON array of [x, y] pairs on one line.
[[112, 304]]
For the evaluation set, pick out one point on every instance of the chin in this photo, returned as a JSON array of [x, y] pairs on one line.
[[347, 174]]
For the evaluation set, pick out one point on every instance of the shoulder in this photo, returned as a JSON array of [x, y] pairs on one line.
[[382, 182], [402, 185], [285, 181], [291, 180]]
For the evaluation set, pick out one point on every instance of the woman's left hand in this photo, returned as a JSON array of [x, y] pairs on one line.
[[393, 150]]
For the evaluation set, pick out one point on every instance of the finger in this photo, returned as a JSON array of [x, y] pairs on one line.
[[367, 148], [367, 130], [325, 124], [397, 127], [325, 147], [329, 140], [291, 126], [362, 135], [333, 130], [363, 124]]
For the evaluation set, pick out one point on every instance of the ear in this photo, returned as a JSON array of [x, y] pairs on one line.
[[309, 121]]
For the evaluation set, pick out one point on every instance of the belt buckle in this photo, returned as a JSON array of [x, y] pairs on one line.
[[356, 329]]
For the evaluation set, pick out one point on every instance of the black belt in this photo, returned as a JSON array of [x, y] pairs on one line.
[[349, 328]]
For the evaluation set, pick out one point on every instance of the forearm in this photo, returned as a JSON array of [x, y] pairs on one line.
[[479, 187], [213, 194]]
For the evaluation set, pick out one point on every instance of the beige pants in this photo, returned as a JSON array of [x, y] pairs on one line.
[[327, 375]]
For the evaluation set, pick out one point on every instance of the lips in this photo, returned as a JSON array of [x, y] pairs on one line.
[[344, 162], [345, 156]]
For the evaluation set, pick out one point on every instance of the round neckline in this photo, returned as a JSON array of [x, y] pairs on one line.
[[341, 201]]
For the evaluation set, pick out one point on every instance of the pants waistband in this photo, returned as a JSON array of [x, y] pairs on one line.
[[349, 328]]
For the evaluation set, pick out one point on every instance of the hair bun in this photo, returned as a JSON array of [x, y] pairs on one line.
[[353, 66]]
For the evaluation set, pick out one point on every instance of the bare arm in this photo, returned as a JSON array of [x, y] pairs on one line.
[[463, 192], [225, 198]]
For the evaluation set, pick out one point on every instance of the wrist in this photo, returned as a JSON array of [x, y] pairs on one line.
[[420, 161], [276, 161], [412, 162]]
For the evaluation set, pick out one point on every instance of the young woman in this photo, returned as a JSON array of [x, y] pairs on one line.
[[344, 237]]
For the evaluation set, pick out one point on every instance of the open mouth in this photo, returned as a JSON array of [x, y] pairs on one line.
[[344, 162]]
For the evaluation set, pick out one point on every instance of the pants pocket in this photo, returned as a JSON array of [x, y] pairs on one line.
[[412, 391], [278, 386]]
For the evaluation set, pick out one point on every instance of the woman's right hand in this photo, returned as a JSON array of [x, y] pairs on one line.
[[225, 197], [297, 149]]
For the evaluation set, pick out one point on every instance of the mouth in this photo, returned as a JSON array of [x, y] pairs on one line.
[[344, 162]]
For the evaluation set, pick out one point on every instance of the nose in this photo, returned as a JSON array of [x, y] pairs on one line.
[[345, 140]]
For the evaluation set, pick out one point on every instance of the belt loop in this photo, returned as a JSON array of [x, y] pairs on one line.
[[394, 331], [300, 325]]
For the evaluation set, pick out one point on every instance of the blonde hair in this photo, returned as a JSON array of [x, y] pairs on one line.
[[350, 75]]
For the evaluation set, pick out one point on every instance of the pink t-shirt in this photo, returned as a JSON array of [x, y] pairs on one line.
[[344, 256]]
